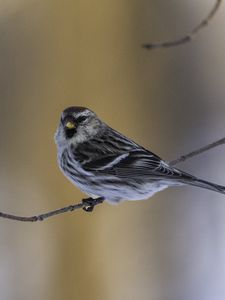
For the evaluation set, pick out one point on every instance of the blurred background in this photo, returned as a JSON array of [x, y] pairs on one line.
[[55, 54]]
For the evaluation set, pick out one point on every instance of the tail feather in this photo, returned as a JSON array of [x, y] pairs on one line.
[[207, 185]]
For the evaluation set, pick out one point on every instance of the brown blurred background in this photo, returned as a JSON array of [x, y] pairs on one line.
[[54, 54]]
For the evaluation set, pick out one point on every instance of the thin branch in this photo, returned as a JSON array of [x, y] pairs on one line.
[[86, 204], [189, 36], [89, 203], [197, 152]]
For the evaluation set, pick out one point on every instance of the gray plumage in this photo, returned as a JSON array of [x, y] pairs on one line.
[[104, 163]]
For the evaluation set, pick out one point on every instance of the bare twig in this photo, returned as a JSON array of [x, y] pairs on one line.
[[197, 152], [89, 203], [189, 36]]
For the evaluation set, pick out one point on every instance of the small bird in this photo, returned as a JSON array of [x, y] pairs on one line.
[[104, 163]]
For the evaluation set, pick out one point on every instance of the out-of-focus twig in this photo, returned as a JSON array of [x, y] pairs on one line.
[[89, 204], [187, 37]]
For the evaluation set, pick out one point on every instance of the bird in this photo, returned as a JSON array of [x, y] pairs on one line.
[[106, 164]]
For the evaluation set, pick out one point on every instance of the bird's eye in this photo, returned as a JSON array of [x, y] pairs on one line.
[[81, 119], [70, 125]]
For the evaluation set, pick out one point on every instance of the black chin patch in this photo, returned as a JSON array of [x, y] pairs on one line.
[[70, 132]]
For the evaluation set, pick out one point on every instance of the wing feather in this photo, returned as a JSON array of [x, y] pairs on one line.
[[132, 165], [117, 155]]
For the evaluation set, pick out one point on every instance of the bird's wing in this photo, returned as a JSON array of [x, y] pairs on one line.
[[138, 163], [105, 163]]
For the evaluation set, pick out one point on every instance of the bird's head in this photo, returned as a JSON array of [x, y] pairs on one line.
[[77, 125]]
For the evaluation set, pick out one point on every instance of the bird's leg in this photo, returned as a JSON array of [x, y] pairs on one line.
[[90, 203]]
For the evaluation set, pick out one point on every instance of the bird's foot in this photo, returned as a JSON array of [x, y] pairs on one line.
[[90, 203]]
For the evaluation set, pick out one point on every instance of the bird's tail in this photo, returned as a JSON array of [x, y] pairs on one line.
[[206, 185]]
